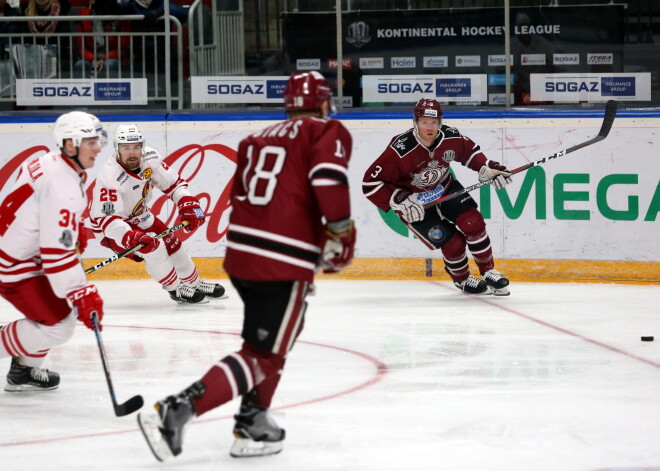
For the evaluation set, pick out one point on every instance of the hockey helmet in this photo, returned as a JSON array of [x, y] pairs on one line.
[[128, 134], [78, 125], [306, 91], [427, 108]]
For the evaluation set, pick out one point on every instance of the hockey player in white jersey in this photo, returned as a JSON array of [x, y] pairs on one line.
[[40, 272], [121, 215]]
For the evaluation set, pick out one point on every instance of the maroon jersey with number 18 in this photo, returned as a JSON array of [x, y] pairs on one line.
[[291, 178]]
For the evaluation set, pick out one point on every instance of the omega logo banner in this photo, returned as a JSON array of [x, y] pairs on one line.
[[238, 89], [54, 92], [570, 88], [410, 88]]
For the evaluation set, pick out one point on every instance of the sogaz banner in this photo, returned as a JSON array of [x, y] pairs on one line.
[[55, 92], [410, 88], [238, 89], [594, 88]]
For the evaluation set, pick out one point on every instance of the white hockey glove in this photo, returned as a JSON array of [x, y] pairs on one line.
[[407, 205], [14, 3], [497, 172]]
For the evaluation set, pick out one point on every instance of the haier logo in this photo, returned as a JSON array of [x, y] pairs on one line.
[[499, 59], [436, 61], [372, 63], [235, 89], [566, 59], [605, 58], [532, 59], [62, 91], [308, 64], [403, 62], [468, 61]]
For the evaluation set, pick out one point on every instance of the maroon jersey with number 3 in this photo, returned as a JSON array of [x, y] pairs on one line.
[[291, 178]]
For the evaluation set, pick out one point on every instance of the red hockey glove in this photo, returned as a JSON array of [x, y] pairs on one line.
[[496, 171], [133, 238], [191, 211], [86, 301], [406, 205], [81, 245], [338, 245]]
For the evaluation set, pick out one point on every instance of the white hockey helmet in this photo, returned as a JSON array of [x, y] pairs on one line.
[[78, 125], [128, 134]]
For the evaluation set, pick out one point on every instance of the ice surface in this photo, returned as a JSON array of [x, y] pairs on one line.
[[387, 375]]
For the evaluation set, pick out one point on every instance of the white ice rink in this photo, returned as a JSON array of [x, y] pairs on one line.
[[387, 375]]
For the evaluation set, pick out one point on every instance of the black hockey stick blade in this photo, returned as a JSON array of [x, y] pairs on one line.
[[608, 120], [134, 403]]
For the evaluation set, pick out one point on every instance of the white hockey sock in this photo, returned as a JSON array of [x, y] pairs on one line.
[[31, 341]]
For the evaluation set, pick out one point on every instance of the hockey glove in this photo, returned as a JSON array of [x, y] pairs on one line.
[[497, 172], [190, 210], [86, 301], [407, 206], [81, 245], [338, 245], [133, 238]]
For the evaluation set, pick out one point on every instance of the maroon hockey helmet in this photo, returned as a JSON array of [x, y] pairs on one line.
[[428, 108], [306, 91]]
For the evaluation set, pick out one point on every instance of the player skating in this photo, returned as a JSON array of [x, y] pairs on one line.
[[291, 211], [40, 272], [121, 215], [417, 161]]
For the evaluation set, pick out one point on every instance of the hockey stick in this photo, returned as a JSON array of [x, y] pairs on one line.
[[608, 120], [116, 257], [134, 403]]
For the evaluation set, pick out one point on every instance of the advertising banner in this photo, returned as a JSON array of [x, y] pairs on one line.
[[69, 92], [239, 89], [574, 207], [411, 88], [595, 88], [557, 39]]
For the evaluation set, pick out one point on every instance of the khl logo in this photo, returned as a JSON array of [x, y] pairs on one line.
[[358, 34]]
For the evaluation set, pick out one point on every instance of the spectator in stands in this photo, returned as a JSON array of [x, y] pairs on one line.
[[100, 55], [152, 10], [7, 8], [47, 8]]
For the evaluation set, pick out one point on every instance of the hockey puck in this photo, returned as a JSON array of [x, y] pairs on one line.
[[648, 338]]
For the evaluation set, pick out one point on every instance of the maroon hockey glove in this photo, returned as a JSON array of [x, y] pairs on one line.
[[191, 211], [497, 172], [133, 238], [338, 245], [86, 301]]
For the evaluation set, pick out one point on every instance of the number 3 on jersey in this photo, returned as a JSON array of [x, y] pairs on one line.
[[261, 184]]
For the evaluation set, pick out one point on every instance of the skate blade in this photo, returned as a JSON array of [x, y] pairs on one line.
[[245, 447], [150, 425], [500, 292], [27, 388]]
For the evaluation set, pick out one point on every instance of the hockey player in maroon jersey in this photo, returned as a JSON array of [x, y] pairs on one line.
[[417, 161], [40, 272], [291, 215], [121, 215]]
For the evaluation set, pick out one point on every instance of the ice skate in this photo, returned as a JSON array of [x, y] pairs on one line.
[[256, 433], [29, 378], [164, 426], [211, 290], [498, 284], [185, 294], [472, 285]]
